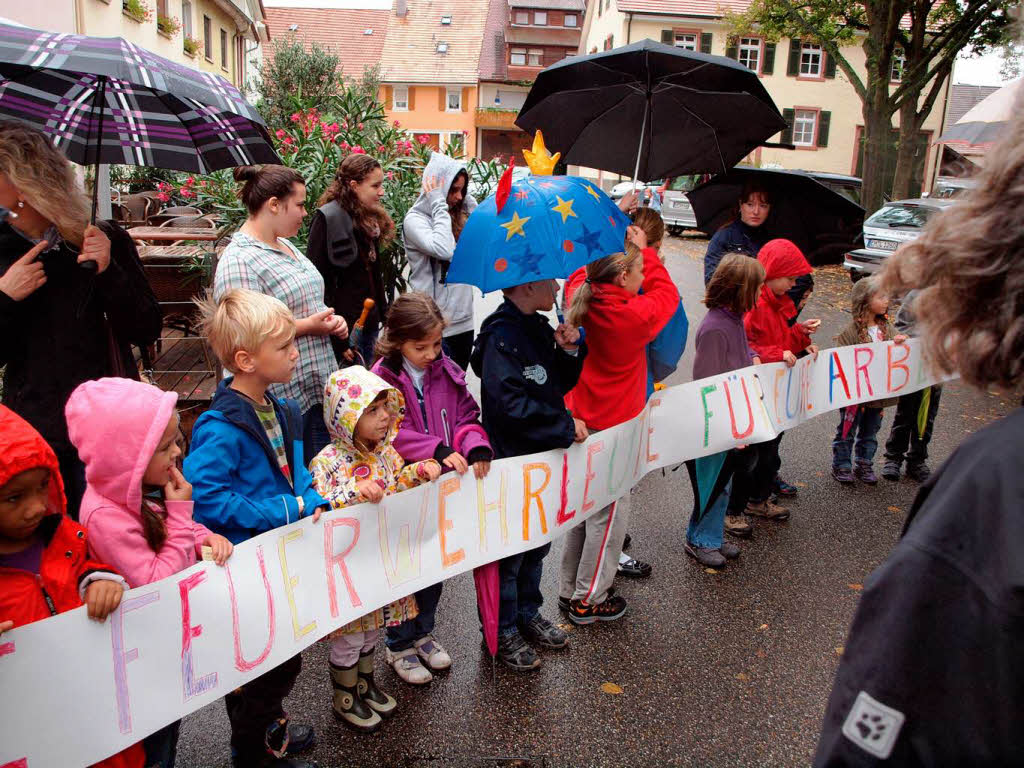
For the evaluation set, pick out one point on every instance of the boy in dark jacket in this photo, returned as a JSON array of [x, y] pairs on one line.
[[249, 476], [526, 368]]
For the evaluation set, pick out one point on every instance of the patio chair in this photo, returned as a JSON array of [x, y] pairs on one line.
[[174, 211]]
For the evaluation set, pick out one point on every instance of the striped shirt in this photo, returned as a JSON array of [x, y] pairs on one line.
[[289, 276], [268, 419]]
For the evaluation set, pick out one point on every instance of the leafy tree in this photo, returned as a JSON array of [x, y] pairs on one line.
[[290, 72]]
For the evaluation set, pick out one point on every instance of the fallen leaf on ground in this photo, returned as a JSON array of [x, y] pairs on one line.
[[819, 474], [743, 677], [710, 570], [895, 509], [761, 653], [856, 587], [839, 650], [611, 688], [798, 484], [762, 628]]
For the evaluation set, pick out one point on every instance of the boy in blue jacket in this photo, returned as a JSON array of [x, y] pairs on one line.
[[249, 476], [526, 367]]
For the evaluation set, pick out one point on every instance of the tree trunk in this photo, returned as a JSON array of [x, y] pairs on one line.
[[877, 129], [906, 152]]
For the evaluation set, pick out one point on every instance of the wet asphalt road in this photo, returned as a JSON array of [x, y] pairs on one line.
[[715, 669]]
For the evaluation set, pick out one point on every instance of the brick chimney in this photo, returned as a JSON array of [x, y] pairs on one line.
[[401, 8]]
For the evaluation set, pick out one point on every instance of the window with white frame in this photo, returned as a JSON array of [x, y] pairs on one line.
[[518, 57], [535, 57], [522, 17], [750, 53], [400, 100], [810, 60], [186, 18], [454, 100], [687, 40], [899, 61], [571, 20], [540, 18], [805, 124]]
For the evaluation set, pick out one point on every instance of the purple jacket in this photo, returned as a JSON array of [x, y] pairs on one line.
[[453, 417], [721, 344]]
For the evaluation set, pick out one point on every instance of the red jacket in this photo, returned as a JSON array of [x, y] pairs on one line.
[[613, 386], [767, 324], [27, 597]]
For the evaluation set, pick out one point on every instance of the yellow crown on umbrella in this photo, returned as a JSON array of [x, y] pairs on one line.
[[540, 160]]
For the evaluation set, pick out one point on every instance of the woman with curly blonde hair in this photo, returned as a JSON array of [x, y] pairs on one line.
[[932, 671], [60, 324]]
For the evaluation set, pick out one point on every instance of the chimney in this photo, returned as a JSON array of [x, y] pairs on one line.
[[401, 8]]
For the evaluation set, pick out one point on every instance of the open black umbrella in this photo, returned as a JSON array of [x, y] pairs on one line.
[[822, 222], [106, 100], [651, 110]]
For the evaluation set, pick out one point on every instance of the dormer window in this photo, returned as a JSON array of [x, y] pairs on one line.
[[442, 47], [446, 20]]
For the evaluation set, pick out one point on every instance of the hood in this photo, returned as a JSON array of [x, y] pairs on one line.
[[347, 394], [446, 169], [116, 425], [22, 449], [781, 258]]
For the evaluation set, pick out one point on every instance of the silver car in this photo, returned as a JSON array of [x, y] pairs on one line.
[[887, 229], [675, 206]]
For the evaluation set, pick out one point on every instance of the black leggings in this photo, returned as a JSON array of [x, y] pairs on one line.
[[755, 473]]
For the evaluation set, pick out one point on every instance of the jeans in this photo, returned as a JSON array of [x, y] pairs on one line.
[[708, 530], [520, 596], [865, 430], [161, 747], [315, 436], [459, 348], [405, 635], [254, 706], [904, 432]]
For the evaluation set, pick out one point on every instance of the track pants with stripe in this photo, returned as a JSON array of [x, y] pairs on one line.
[[591, 554]]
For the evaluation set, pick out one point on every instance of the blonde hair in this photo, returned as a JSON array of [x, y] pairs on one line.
[[241, 320], [601, 271], [44, 177], [735, 284]]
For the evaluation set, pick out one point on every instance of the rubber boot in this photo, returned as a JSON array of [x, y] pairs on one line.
[[380, 702], [349, 706]]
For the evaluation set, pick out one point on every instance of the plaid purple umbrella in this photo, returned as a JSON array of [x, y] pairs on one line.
[[106, 100]]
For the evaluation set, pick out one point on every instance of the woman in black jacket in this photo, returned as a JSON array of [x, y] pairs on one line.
[[61, 324]]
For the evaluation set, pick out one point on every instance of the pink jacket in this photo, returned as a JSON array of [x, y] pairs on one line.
[[453, 417], [116, 425]]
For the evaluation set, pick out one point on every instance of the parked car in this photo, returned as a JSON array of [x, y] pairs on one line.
[[675, 205], [623, 187], [948, 188], [848, 186], [887, 229]]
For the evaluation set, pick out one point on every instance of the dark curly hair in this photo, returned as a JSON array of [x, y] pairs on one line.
[[368, 218]]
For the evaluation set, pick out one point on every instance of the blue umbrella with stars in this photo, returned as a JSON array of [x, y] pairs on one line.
[[539, 228]]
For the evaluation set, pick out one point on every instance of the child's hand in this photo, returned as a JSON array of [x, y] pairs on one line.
[[349, 355], [5, 626], [813, 351], [430, 470], [756, 360], [457, 462], [370, 491], [629, 202], [222, 548], [581, 430], [810, 326], [481, 468], [177, 488], [789, 358], [102, 598], [636, 236], [567, 336], [899, 338], [317, 512]]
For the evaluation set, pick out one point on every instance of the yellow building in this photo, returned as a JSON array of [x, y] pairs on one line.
[[815, 97]]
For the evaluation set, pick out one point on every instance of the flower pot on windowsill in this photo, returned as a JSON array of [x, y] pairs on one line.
[[133, 17], [168, 35]]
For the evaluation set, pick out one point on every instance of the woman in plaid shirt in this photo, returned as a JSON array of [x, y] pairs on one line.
[[259, 258]]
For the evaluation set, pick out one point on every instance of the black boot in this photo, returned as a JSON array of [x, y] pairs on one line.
[[348, 705], [376, 699]]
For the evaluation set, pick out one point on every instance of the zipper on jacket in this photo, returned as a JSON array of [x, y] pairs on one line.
[[447, 431], [46, 595]]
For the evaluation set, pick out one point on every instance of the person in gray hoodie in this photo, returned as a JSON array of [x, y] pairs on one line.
[[432, 227]]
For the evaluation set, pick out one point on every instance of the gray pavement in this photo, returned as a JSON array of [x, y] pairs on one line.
[[715, 669]]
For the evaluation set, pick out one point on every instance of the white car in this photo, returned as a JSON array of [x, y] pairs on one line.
[[620, 189], [887, 229]]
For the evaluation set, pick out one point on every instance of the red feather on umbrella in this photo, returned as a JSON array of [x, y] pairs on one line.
[[504, 186]]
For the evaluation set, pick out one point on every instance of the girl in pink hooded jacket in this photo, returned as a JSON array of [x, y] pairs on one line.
[[137, 508]]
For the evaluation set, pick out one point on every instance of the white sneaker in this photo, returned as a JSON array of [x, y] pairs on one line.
[[407, 666], [433, 653]]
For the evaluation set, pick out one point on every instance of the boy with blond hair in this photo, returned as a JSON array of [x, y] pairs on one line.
[[249, 476]]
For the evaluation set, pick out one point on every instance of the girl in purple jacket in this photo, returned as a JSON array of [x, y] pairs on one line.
[[442, 422]]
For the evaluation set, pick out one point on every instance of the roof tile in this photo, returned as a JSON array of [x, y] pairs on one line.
[[340, 32], [492, 53], [410, 51]]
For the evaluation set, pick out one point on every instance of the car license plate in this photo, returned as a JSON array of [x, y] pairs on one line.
[[883, 245], [679, 204]]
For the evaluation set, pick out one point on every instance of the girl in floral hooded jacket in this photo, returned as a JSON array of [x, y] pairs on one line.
[[362, 413]]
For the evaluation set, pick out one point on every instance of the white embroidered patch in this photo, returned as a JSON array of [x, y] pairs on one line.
[[872, 726], [536, 373]]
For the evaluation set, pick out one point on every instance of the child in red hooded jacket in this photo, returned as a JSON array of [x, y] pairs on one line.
[[44, 569], [775, 337]]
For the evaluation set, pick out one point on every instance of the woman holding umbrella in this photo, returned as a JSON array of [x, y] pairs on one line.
[[747, 232], [61, 324]]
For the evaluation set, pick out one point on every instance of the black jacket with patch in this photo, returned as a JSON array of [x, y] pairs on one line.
[[524, 378], [938, 636]]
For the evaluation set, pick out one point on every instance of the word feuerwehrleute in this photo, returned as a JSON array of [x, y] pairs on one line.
[[181, 643]]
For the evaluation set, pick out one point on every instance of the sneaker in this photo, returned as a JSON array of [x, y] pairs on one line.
[[891, 471], [407, 665], [729, 550], [918, 472], [285, 738], [516, 653], [626, 542], [432, 653], [635, 568], [844, 475], [865, 473], [782, 488], [545, 634], [767, 509], [739, 526], [580, 612], [706, 556], [564, 604]]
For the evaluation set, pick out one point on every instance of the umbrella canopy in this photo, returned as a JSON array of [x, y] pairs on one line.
[[822, 222], [985, 122], [550, 227], [651, 110], [106, 100]]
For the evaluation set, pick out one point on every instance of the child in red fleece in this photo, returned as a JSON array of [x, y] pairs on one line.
[[775, 338], [43, 565], [620, 322]]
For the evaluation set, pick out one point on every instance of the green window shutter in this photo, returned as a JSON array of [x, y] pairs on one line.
[[830, 65], [769, 59], [793, 68], [668, 37], [824, 118], [787, 133], [730, 48], [705, 42]]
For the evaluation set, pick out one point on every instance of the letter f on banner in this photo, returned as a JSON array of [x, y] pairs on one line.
[[122, 656]]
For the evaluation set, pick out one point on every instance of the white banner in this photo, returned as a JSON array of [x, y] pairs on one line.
[[76, 691]]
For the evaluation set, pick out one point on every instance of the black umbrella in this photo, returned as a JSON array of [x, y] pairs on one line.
[[822, 222], [690, 112]]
